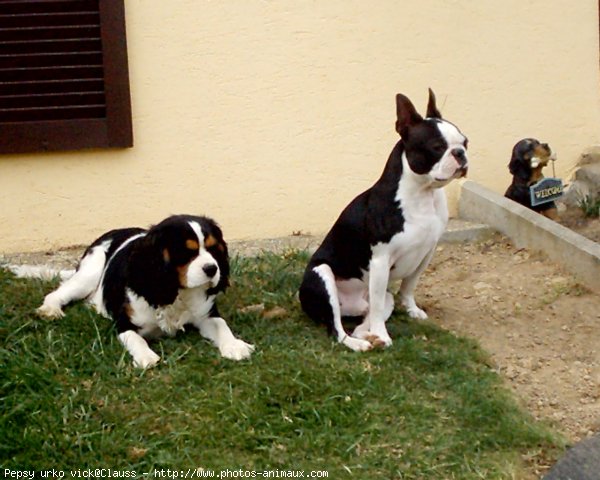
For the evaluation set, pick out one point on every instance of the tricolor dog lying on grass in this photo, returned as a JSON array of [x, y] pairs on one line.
[[152, 282]]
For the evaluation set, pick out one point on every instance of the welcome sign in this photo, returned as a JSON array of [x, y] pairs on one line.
[[546, 190]]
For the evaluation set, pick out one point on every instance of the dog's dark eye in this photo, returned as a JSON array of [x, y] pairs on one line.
[[466, 143], [439, 147]]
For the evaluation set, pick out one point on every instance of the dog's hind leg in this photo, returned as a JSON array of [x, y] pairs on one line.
[[82, 284], [319, 299]]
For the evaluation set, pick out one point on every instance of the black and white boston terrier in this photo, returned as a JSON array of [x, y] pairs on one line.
[[389, 232]]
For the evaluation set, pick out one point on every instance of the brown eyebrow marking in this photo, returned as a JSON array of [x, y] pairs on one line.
[[210, 241], [192, 244]]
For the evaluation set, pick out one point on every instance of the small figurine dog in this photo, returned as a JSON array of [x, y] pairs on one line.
[[529, 157]]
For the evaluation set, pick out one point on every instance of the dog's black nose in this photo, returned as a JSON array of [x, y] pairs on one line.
[[459, 154], [210, 270]]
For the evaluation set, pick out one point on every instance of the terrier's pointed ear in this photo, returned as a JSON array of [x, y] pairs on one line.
[[406, 114], [432, 111]]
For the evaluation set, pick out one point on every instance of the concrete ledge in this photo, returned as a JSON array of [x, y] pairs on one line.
[[533, 231], [462, 231]]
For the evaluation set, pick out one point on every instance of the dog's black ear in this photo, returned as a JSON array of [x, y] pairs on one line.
[[216, 245], [519, 167], [406, 114], [150, 272], [432, 110]]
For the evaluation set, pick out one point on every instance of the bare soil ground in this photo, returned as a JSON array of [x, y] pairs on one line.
[[538, 323], [574, 219]]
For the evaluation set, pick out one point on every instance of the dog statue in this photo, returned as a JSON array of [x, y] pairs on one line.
[[529, 157]]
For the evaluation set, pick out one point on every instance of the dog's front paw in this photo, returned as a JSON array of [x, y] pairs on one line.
[[146, 359], [379, 338], [362, 330], [416, 313], [50, 311], [236, 349], [356, 344]]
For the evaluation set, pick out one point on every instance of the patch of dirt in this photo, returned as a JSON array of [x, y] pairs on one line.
[[538, 324], [574, 219]]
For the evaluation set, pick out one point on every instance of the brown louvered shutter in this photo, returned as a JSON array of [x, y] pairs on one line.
[[64, 81]]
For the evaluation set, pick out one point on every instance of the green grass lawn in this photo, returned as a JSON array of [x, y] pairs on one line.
[[429, 407]]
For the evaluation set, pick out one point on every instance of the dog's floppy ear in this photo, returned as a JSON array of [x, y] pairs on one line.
[[519, 167], [432, 110], [406, 114], [217, 246], [150, 272]]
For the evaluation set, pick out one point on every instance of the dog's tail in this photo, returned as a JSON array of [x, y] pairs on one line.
[[42, 272]]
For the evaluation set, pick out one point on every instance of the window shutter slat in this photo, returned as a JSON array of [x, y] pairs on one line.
[[51, 86], [28, 20], [57, 59], [38, 46], [15, 7], [48, 33], [52, 113]]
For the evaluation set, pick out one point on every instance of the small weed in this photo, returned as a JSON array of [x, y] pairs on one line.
[[590, 206], [427, 407]]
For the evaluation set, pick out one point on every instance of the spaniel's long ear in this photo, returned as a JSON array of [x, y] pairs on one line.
[[519, 167], [217, 246], [432, 110], [406, 114], [150, 271]]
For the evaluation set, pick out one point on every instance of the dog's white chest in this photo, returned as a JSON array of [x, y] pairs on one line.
[[189, 305], [425, 220]]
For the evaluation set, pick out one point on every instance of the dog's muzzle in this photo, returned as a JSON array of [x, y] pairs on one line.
[[460, 155]]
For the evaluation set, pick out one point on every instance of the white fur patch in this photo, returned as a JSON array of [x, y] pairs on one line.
[[82, 284], [447, 167], [196, 276], [143, 356], [217, 330], [42, 272], [326, 274]]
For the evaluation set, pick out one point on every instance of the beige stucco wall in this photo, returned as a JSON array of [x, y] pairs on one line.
[[271, 116]]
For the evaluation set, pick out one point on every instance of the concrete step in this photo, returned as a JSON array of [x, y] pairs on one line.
[[461, 231]]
